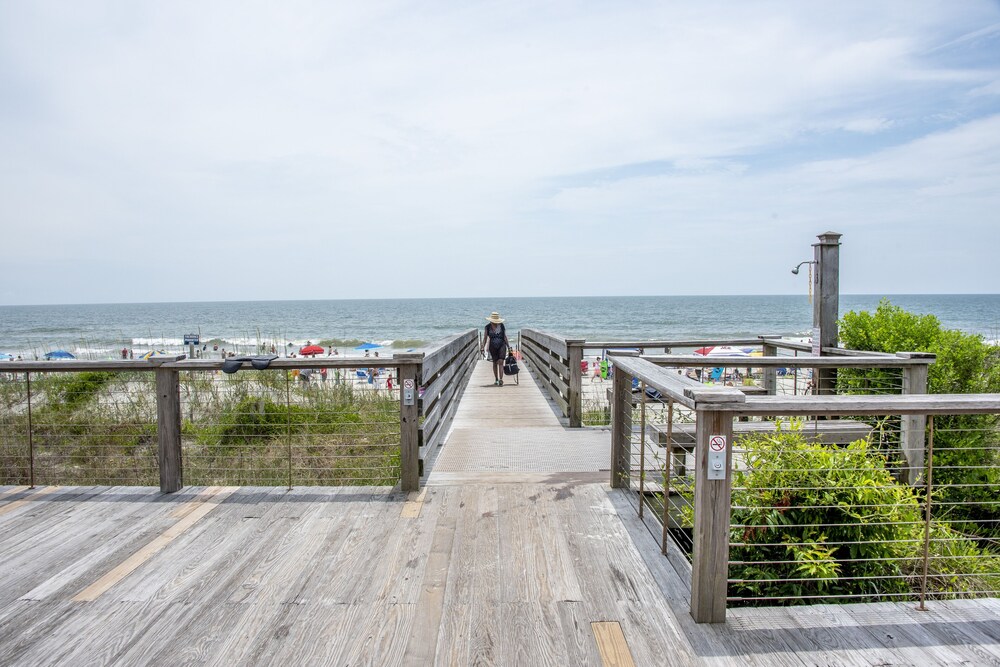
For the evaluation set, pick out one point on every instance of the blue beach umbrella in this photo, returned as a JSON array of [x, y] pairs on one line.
[[367, 346], [59, 354], [6, 357]]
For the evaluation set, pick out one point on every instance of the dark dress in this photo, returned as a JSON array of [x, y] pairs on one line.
[[497, 341]]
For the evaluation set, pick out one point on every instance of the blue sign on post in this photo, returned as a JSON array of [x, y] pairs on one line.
[[192, 339]]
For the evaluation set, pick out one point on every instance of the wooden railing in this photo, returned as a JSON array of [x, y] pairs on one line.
[[912, 365], [429, 384], [556, 363], [445, 369], [562, 378], [715, 411]]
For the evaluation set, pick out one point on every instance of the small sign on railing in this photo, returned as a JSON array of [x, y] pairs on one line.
[[717, 457], [409, 392]]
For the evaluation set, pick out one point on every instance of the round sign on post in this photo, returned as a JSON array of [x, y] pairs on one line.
[[407, 384], [717, 443]]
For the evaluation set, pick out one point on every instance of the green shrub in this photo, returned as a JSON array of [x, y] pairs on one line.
[[967, 447], [72, 390], [830, 517], [824, 521], [251, 421]]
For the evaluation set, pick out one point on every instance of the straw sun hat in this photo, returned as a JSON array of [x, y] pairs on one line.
[[495, 318]]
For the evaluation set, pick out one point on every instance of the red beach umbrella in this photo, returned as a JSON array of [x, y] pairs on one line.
[[310, 350]]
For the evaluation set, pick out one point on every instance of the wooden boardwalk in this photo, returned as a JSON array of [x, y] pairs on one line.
[[479, 568], [513, 434]]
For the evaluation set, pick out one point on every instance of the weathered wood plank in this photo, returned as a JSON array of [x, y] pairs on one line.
[[685, 638], [710, 557], [440, 410], [938, 404], [168, 430], [12, 505], [409, 436], [669, 384], [874, 360], [4, 496], [434, 383], [422, 646], [552, 342], [824, 633], [92, 592], [439, 355]]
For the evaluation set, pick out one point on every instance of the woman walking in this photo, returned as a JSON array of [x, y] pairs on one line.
[[496, 337]]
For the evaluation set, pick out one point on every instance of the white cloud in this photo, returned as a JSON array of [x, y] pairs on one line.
[[365, 139], [868, 125]]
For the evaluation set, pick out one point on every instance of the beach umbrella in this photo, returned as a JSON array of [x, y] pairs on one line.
[[59, 354], [5, 356], [310, 350], [367, 346]]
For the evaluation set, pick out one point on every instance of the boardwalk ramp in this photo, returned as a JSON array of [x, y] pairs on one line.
[[514, 434]]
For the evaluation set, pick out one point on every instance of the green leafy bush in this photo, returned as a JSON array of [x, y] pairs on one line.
[[826, 519], [818, 521], [967, 447]]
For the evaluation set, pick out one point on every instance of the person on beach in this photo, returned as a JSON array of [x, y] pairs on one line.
[[495, 335]]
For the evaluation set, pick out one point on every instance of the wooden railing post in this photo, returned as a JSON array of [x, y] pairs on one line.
[[710, 558], [574, 350], [912, 427], [770, 372], [168, 428], [409, 423], [621, 430]]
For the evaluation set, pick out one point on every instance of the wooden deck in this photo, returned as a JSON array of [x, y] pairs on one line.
[[478, 568]]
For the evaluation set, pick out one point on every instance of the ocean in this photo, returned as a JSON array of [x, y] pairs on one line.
[[100, 331]]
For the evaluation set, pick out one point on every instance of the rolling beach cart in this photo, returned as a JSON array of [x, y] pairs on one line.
[[510, 365]]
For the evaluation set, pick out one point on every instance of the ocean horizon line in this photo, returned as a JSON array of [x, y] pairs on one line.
[[485, 298]]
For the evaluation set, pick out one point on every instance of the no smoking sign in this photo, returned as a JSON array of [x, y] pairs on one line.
[[716, 457]]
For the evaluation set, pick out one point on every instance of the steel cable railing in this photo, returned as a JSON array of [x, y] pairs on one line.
[[296, 421], [823, 510]]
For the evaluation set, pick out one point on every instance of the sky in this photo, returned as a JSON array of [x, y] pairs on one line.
[[207, 151]]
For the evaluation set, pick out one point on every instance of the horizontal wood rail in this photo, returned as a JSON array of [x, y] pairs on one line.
[[899, 360], [71, 365]]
